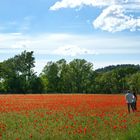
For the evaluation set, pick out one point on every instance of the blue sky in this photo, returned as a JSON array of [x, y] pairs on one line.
[[102, 32]]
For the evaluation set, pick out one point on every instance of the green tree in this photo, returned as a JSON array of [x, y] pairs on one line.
[[51, 73], [104, 83], [134, 82], [36, 85], [80, 72], [2, 81], [44, 80], [64, 76], [17, 72]]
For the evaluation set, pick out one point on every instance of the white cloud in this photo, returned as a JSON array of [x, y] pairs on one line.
[[98, 3], [24, 44], [75, 45], [118, 15], [9, 39], [114, 19], [70, 44], [72, 50]]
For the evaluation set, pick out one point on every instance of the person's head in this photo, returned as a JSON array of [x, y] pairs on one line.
[[128, 91]]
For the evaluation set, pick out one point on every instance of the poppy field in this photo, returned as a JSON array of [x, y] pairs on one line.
[[67, 117]]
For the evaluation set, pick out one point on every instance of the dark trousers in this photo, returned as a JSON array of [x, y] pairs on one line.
[[135, 105], [132, 106]]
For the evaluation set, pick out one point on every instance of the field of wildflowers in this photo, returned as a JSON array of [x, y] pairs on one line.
[[67, 117]]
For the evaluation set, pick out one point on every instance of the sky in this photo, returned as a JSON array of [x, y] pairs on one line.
[[104, 32]]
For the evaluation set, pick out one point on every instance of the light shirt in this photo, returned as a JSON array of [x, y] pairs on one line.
[[130, 98]]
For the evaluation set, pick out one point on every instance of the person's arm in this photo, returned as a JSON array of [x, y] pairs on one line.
[[126, 98], [136, 97]]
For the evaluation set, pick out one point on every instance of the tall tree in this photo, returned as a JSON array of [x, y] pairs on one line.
[[25, 67], [64, 76], [134, 82], [51, 73], [80, 72], [18, 72]]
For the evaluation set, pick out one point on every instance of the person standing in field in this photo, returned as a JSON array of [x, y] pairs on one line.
[[135, 102], [130, 100]]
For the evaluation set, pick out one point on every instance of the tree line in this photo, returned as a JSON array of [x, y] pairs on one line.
[[17, 75]]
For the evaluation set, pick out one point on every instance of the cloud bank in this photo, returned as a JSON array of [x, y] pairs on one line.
[[72, 50], [114, 19], [69, 44], [76, 3], [117, 15]]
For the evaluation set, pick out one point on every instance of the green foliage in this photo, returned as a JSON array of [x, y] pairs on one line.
[[130, 67], [80, 71], [44, 82], [17, 76], [114, 79], [36, 85], [73, 77], [134, 82], [51, 72]]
